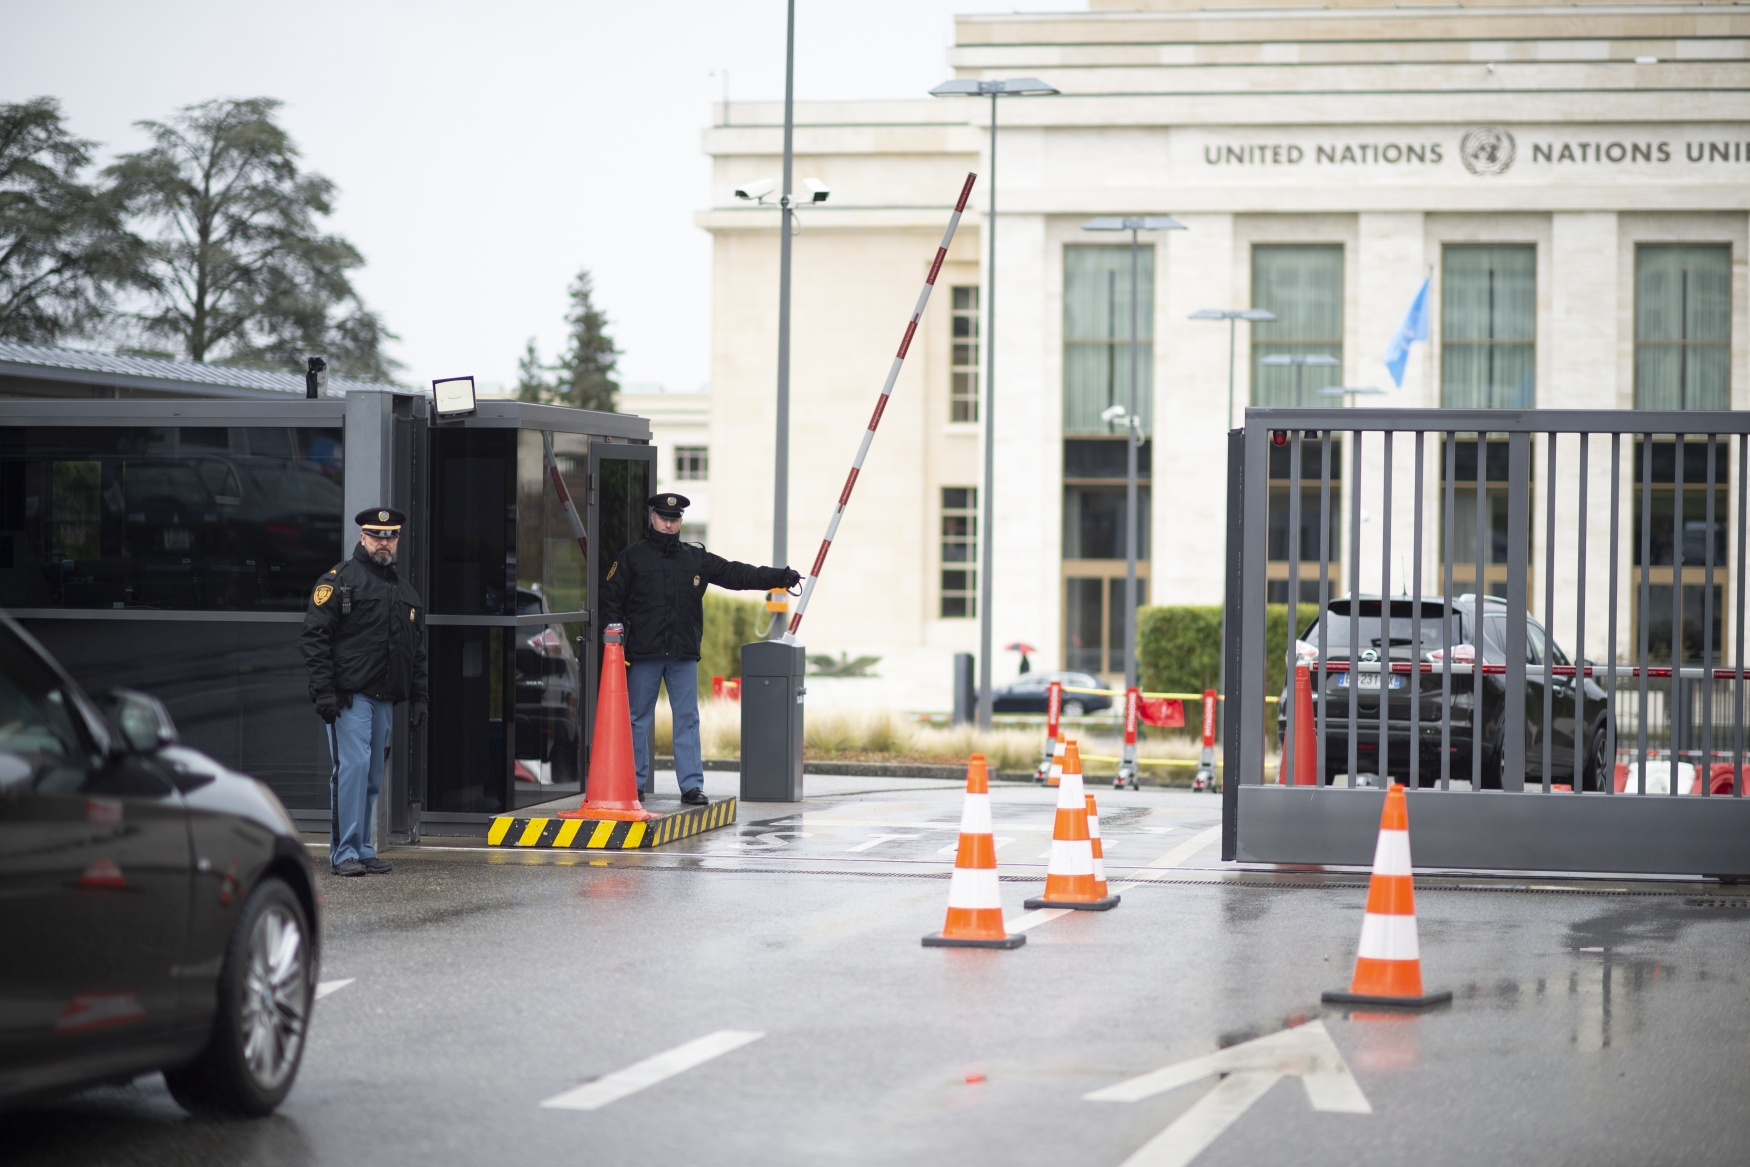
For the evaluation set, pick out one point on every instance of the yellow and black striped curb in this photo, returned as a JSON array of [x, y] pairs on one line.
[[609, 834]]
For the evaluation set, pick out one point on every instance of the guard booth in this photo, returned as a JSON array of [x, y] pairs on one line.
[[171, 546]]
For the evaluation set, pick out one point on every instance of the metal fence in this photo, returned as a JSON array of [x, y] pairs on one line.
[[1480, 542]]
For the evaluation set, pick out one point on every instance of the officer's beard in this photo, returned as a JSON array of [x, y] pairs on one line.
[[383, 557]]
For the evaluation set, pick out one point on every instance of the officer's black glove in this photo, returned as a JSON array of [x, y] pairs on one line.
[[416, 715], [327, 708], [792, 577]]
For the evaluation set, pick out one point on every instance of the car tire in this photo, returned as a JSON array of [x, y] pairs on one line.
[[1593, 778], [1074, 709], [264, 996]]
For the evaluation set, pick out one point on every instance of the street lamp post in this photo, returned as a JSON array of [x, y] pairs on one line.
[[1012, 87], [1349, 392], [1300, 361], [1133, 438], [781, 450], [1232, 316]]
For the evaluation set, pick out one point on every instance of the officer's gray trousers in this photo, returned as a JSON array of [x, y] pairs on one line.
[[362, 730], [682, 678]]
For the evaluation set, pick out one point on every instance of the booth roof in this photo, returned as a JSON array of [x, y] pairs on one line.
[[66, 364]]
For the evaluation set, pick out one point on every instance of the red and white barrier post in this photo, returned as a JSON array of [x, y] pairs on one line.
[[911, 328], [1053, 711], [1205, 777], [1127, 764]]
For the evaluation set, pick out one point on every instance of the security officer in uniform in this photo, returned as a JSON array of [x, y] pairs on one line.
[[363, 648], [656, 589]]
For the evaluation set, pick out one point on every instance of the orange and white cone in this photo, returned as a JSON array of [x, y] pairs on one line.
[[1069, 876], [1054, 776], [1388, 963], [975, 909], [1094, 844]]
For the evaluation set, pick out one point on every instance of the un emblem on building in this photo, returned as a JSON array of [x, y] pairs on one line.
[[1486, 150]]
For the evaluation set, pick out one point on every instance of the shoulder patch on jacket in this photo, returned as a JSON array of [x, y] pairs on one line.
[[613, 569], [322, 594]]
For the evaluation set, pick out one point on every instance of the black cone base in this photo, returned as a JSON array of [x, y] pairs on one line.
[[1422, 1002], [1102, 905], [937, 940]]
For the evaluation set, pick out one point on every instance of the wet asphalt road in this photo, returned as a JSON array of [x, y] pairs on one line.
[[1594, 1023]]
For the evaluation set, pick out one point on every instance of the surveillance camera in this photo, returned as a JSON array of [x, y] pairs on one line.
[[756, 191], [1112, 413], [817, 190]]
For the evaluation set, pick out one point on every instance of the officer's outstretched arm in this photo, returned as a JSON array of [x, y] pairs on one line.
[[745, 577]]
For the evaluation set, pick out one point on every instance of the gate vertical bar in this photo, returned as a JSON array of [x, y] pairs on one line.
[[1705, 771], [1678, 703], [1324, 596], [1354, 608], [1645, 449], [1383, 761], [1549, 612], [1607, 764], [1738, 623], [1518, 533], [1415, 681], [1480, 589], [1582, 731], [1285, 770], [1448, 539], [1230, 642], [1255, 519]]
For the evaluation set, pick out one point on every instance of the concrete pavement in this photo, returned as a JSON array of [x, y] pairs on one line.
[[1595, 1022]]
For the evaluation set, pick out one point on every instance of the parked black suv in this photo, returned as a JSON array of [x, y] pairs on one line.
[[157, 911], [1379, 643]]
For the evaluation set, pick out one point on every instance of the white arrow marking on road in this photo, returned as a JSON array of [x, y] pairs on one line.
[[323, 988], [1305, 1052], [1001, 841], [635, 1077], [877, 840]]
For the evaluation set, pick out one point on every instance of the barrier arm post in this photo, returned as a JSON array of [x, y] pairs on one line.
[[1127, 766], [1205, 776]]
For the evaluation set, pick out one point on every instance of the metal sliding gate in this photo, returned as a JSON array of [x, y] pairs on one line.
[[1532, 619]]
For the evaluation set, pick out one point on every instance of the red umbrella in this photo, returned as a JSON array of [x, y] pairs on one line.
[[1020, 646]]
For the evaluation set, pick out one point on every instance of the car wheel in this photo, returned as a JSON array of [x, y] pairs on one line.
[[1593, 779], [263, 1012], [1074, 709]]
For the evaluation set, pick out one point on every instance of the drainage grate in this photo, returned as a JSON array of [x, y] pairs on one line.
[[1717, 903]]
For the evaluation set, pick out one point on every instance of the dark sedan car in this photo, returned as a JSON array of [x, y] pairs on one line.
[[1390, 636], [1027, 694], [159, 911]]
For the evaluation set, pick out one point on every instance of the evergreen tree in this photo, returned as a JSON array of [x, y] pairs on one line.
[[242, 273], [586, 370], [532, 383], [64, 248]]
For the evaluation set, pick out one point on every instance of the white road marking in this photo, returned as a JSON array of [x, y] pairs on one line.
[[877, 840], [1305, 1052], [1162, 867], [1001, 842], [1035, 918], [635, 1077], [323, 988]]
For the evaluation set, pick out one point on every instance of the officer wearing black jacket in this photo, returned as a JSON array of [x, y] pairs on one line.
[[363, 648], [656, 589]]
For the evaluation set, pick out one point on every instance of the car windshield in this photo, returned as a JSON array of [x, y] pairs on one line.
[[34, 713], [1374, 629]]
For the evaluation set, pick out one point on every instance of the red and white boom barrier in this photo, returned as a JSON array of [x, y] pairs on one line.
[[911, 328]]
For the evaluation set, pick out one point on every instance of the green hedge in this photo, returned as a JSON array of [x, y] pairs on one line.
[[1178, 647], [729, 624]]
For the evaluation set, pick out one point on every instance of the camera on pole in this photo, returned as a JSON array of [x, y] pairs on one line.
[[315, 377]]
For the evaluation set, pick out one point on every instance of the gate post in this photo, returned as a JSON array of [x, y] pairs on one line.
[[1518, 537], [1230, 642], [1248, 687]]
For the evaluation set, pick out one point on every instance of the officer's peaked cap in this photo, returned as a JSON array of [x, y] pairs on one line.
[[669, 506], [384, 520]]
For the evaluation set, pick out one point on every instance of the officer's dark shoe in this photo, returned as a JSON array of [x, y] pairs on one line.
[[377, 866], [694, 798], [350, 867]]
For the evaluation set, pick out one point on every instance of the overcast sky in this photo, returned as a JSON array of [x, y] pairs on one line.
[[486, 152]]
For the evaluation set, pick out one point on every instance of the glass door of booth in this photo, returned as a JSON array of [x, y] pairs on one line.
[[621, 478]]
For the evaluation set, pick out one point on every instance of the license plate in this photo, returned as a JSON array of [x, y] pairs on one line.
[[1368, 681]]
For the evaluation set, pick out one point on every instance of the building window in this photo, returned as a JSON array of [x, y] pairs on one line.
[[963, 394], [1096, 337], [1493, 521], [1303, 286], [1666, 608], [1683, 327], [1311, 491], [1488, 326], [959, 551], [1094, 618], [692, 463]]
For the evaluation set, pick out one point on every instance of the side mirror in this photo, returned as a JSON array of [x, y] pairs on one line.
[[138, 721]]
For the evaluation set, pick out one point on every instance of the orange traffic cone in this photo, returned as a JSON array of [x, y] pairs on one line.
[[1094, 844], [1388, 965], [612, 792], [1069, 877], [975, 909], [1306, 738], [1054, 776]]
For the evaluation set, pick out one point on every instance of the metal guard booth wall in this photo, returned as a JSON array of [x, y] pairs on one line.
[[171, 545]]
